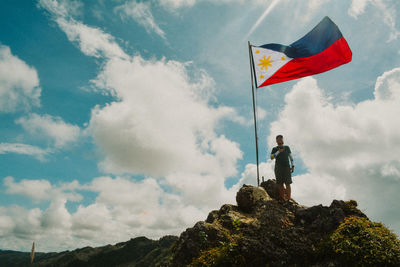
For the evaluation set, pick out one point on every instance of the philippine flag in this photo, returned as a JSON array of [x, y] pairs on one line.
[[320, 50]]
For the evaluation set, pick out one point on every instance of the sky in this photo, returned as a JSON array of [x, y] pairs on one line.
[[134, 118]]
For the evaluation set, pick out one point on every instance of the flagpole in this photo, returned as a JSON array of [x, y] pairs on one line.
[[254, 112]]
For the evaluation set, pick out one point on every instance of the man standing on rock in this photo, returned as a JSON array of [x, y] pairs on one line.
[[283, 170]]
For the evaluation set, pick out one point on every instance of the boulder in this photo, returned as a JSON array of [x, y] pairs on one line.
[[248, 197], [271, 187]]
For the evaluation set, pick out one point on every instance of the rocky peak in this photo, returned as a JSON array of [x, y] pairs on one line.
[[260, 230]]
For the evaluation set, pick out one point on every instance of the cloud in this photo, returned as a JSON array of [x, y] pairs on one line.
[[173, 5], [162, 124], [54, 128], [24, 149], [141, 13], [350, 151], [36, 189], [123, 208], [19, 83], [41, 190], [176, 4], [358, 7], [92, 41], [62, 8]]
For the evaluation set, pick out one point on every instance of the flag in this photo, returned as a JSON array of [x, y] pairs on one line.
[[320, 50]]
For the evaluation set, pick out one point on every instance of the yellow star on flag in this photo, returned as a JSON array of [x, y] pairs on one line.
[[265, 62]]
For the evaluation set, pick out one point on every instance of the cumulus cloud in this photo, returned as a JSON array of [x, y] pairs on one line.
[[163, 123], [41, 190], [24, 149], [141, 13], [358, 7], [19, 83], [36, 189], [123, 208], [51, 127], [350, 150]]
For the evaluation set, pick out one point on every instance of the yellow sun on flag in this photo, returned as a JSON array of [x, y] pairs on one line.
[[265, 62]]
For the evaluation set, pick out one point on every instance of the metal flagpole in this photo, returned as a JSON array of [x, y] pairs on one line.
[[254, 111]]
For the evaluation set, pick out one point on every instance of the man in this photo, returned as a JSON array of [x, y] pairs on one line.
[[283, 170]]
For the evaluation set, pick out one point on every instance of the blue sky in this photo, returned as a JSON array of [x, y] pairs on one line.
[[128, 118]]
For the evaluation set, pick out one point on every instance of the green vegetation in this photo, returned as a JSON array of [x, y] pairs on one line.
[[360, 242], [226, 254], [236, 224]]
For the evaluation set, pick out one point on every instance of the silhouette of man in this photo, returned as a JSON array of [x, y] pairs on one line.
[[283, 169]]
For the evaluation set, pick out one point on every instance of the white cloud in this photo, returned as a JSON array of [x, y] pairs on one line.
[[92, 41], [358, 7], [62, 8], [175, 4], [161, 124], [141, 13], [41, 190], [19, 83], [123, 208], [24, 149], [261, 113], [53, 127], [35, 189], [350, 151]]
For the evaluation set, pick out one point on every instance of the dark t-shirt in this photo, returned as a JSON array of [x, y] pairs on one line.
[[283, 157]]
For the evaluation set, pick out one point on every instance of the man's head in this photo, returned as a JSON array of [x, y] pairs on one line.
[[279, 140]]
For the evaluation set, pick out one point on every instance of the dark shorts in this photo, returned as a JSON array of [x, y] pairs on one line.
[[283, 174]]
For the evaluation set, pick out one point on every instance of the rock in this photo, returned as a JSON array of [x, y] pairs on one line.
[[260, 231], [249, 196], [271, 187]]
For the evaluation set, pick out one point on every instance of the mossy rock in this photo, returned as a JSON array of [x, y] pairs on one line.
[[360, 242]]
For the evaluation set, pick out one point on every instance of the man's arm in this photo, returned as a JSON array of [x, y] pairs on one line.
[[291, 162], [274, 153]]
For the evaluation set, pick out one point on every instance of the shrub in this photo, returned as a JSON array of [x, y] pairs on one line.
[[360, 242]]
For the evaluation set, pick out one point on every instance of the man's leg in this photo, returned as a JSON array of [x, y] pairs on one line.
[[281, 191], [288, 191]]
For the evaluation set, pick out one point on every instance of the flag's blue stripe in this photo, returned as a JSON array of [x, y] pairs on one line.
[[314, 42]]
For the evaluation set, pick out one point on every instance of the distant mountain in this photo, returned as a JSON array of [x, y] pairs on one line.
[[139, 251], [258, 231]]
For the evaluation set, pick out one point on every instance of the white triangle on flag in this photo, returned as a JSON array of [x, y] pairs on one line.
[[267, 62]]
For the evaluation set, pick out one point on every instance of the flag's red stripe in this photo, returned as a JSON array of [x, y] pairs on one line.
[[337, 54]]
